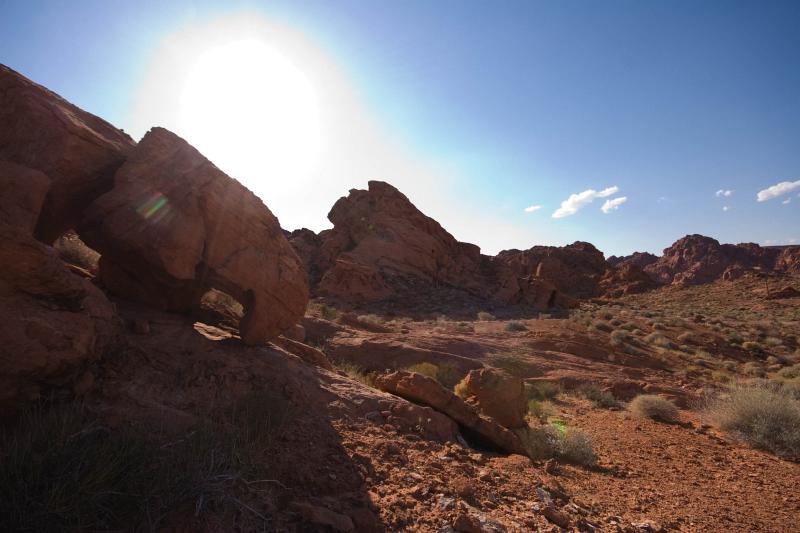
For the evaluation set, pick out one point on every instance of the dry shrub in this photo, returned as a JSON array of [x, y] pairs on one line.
[[485, 317], [556, 440], [601, 398], [765, 415], [655, 407], [445, 373], [516, 326]]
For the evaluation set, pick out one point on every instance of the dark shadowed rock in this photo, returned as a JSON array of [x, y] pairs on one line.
[[175, 226], [77, 151]]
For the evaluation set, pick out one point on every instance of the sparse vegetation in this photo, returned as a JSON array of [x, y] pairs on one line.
[[655, 407], [516, 326], [356, 372], [484, 316], [445, 373], [765, 415], [63, 469], [371, 319], [601, 398], [543, 390], [557, 440]]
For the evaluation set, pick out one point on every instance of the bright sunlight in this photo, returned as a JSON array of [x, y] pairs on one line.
[[252, 112]]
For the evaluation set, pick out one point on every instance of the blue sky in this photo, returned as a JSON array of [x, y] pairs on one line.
[[518, 103]]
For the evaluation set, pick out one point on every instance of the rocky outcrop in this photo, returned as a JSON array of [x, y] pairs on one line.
[[53, 324], [624, 279], [76, 151], [788, 260], [423, 389], [175, 226], [574, 270], [696, 259], [496, 394], [381, 245], [640, 259]]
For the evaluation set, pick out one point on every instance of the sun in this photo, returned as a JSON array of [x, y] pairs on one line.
[[252, 112]]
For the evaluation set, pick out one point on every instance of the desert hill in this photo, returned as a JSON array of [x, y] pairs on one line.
[[172, 360]]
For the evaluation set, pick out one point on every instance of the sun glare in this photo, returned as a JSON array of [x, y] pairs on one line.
[[252, 112]]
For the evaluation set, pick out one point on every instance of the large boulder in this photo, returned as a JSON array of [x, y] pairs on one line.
[[496, 394], [423, 389], [53, 324], [77, 152], [175, 226]]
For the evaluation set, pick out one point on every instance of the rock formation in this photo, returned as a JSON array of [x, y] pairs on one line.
[[626, 278], [640, 259], [175, 226], [76, 151], [496, 394]]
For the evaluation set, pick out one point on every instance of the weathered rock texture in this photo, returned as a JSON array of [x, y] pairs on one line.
[[52, 322], [496, 394], [428, 391], [175, 226], [626, 278], [76, 151], [696, 259], [640, 259], [381, 244]]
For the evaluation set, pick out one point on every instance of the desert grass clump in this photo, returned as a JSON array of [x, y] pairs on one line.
[[372, 319], [356, 372], [790, 372], [557, 440], [575, 446], [327, 312], [544, 390], [773, 342], [752, 346], [540, 410], [657, 339], [516, 326], [445, 373], [654, 407], [601, 398], [601, 325], [514, 365], [484, 316], [619, 337], [753, 369], [764, 415]]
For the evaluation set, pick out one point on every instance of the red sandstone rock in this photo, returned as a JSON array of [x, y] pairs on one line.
[[77, 151], [351, 281], [175, 226], [497, 395], [426, 390], [52, 322], [627, 278]]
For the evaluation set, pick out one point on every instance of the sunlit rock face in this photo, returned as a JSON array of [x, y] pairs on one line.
[[175, 225], [77, 151]]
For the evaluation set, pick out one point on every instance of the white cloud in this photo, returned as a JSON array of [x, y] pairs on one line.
[[725, 207], [532, 208], [786, 201], [723, 192], [613, 205], [777, 190], [575, 202]]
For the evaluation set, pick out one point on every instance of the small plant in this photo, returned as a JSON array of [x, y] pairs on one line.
[[619, 337], [766, 416], [516, 326], [375, 320], [445, 373], [773, 342], [356, 372], [657, 339], [327, 312], [752, 346], [600, 325], [514, 365], [575, 446], [659, 325], [790, 372], [483, 316], [543, 390], [753, 369], [540, 410], [655, 407], [601, 398]]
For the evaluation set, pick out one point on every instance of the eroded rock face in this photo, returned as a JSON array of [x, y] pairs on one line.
[[626, 278], [77, 151], [428, 391], [574, 269], [381, 244], [696, 259], [496, 394], [640, 259], [52, 322], [789, 260], [175, 225]]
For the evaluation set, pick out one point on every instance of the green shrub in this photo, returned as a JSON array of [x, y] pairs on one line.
[[655, 407], [766, 416], [540, 410], [516, 326], [601, 398]]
